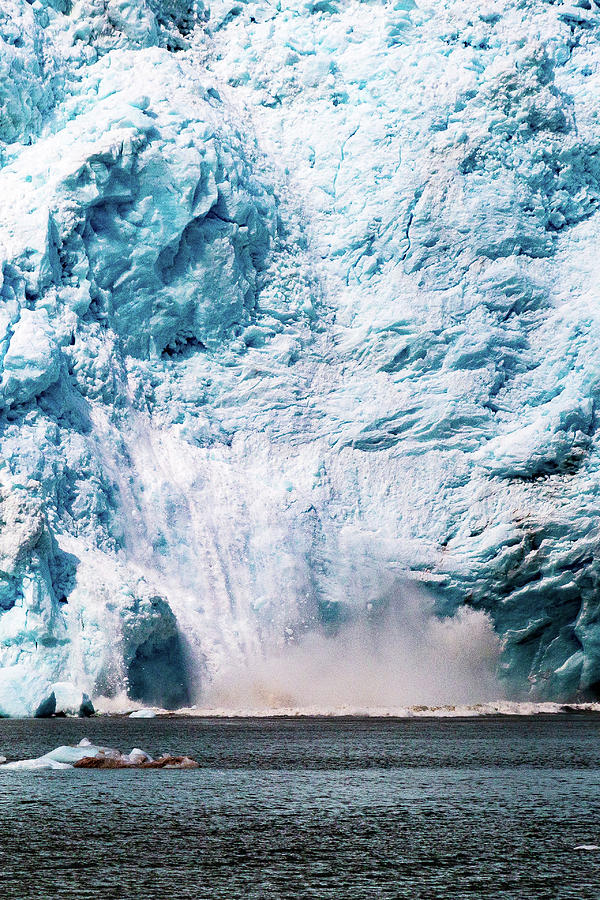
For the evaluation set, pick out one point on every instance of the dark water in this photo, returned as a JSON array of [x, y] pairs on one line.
[[489, 808]]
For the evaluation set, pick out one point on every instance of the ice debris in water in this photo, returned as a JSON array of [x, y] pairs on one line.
[[89, 756]]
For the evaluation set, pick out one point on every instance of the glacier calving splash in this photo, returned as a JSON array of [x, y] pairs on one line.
[[299, 305]]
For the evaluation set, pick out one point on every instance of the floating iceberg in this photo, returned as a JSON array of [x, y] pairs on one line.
[[89, 756]]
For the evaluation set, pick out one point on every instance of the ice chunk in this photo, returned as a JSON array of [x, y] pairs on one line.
[[137, 756], [61, 758], [65, 699], [31, 363], [70, 700], [89, 756]]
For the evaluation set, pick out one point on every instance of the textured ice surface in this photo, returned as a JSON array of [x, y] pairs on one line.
[[89, 756], [60, 758], [298, 304]]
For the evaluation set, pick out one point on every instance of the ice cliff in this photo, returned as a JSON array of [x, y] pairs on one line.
[[299, 304]]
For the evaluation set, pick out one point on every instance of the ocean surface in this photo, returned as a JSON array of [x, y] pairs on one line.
[[308, 808]]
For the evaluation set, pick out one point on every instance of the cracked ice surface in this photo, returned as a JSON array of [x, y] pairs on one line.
[[298, 305]]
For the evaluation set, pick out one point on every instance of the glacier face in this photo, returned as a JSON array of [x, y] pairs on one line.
[[298, 306]]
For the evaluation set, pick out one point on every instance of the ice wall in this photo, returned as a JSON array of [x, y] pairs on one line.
[[298, 306]]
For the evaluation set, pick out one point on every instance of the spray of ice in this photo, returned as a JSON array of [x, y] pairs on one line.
[[401, 659]]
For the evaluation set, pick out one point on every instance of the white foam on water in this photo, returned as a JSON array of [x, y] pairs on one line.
[[491, 708]]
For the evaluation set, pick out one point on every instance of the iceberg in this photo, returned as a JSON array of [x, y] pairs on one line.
[[62, 757], [89, 756], [298, 318]]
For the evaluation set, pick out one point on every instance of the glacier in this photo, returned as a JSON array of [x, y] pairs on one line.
[[299, 316]]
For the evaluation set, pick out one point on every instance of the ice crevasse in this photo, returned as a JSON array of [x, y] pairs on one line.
[[299, 304]]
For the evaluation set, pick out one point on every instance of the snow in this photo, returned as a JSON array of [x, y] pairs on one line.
[[298, 310]]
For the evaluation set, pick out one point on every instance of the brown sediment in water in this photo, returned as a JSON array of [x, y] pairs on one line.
[[163, 762]]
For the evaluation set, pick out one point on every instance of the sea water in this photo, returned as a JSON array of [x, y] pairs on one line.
[[308, 808]]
